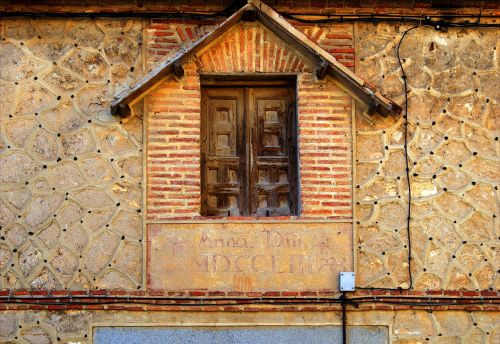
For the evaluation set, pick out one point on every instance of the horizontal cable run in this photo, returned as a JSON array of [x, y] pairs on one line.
[[226, 301], [444, 20]]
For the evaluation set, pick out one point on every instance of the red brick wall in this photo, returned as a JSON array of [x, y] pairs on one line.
[[164, 38], [336, 39], [325, 149], [324, 113], [173, 136]]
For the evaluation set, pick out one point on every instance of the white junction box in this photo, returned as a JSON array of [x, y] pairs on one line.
[[347, 281]]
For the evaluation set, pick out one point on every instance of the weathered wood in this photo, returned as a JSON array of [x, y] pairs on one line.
[[122, 110], [322, 69], [248, 79], [284, 30], [178, 69], [223, 159], [247, 162], [237, 77], [273, 166], [221, 83], [249, 16], [145, 85], [277, 24]]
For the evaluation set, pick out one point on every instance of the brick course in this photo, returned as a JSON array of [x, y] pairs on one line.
[[336, 39]]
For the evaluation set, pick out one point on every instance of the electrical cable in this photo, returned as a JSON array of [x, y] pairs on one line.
[[343, 300], [226, 12], [407, 169], [344, 318], [443, 22], [390, 15], [246, 299], [194, 305], [407, 164], [439, 24]]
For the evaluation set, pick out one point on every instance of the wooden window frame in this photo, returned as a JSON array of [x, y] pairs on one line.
[[258, 80]]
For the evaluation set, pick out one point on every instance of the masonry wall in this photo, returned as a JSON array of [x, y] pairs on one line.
[[406, 326], [454, 123], [196, 259], [72, 209], [70, 174], [453, 156], [324, 117]]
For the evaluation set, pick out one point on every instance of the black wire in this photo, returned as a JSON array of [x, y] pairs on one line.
[[390, 15], [344, 318], [407, 165], [200, 302], [344, 301], [403, 297], [237, 5], [244, 299], [226, 12], [385, 19], [148, 15]]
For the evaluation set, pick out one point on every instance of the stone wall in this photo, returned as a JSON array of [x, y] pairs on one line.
[[71, 207], [66, 164], [70, 181], [406, 326], [454, 123]]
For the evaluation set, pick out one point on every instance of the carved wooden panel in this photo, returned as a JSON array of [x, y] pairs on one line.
[[223, 152], [273, 168], [222, 127], [248, 151]]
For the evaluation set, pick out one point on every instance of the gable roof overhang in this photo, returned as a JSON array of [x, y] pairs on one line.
[[257, 10]]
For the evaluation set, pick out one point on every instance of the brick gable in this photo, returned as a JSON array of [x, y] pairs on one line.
[[324, 113]]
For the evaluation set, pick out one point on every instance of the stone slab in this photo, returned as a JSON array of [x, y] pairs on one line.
[[242, 335], [248, 256]]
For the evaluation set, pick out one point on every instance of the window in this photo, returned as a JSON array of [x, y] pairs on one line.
[[248, 151]]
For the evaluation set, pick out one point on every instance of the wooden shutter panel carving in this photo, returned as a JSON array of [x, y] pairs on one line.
[[223, 152], [273, 166], [248, 151]]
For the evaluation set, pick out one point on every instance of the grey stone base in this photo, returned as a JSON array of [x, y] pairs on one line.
[[241, 335]]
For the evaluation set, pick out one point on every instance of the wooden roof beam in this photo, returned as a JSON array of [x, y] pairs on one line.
[[255, 9]]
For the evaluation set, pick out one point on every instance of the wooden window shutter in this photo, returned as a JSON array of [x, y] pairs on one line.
[[223, 162], [249, 149], [273, 150]]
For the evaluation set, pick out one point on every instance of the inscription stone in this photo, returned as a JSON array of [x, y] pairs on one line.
[[248, 257]]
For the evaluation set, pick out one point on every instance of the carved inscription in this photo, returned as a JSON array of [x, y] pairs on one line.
[[248, 257]]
